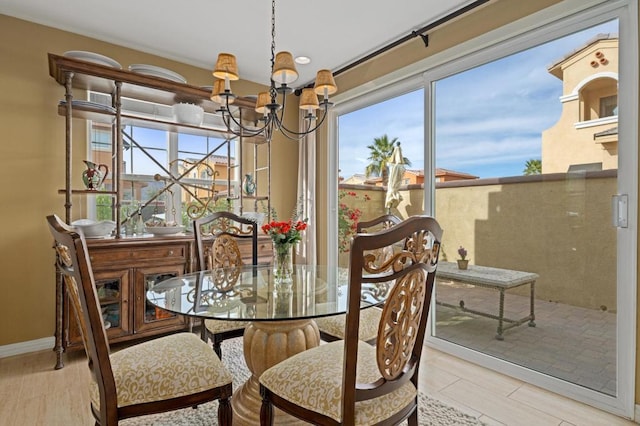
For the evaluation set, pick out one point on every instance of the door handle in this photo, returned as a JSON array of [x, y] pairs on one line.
[[620, 210]]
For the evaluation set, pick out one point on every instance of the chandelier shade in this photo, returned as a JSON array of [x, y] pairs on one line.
[[325, 84], [226, 67], [218, 88], [309, 99], [261, 103], [284, 69], [271, 104]]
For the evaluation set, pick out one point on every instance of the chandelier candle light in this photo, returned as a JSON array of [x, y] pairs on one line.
[[283, 73]]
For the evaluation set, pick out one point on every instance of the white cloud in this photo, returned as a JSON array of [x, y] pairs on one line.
[[486, 117]]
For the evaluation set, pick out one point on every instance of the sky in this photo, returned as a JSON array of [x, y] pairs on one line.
[[489, 120]]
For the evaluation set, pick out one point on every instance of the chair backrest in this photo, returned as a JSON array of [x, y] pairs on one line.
[[226, 227], [378, 224], [403, 320], [73, 264]]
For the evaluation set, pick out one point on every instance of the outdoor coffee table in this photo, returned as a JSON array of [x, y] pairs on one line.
[[494, 278]]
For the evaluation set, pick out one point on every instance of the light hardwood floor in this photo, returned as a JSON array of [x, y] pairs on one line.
[[33, 393]]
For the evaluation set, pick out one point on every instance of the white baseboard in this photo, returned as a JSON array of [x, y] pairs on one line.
[[636, 413], [26, 347]]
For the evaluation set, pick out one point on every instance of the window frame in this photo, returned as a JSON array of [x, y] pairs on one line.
[[545, 25]]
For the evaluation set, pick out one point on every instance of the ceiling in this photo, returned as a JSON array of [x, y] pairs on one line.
[[333, 33]]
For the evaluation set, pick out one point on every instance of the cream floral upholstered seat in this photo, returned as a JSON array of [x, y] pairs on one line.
[[215, 239], [350, 382], [309, 381], [174, 366], [164, 374], [332, 327]]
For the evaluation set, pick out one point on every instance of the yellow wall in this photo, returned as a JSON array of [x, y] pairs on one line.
[[33, 144], [478, 214]]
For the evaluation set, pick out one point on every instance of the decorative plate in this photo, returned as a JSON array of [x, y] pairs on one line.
[[164, 230], [88, 104], [92, 57], [154, 71]]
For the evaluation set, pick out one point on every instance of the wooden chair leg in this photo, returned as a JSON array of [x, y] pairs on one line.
[[225, 412], [413, 418], [204, 335], [266, 410], [217, 348]]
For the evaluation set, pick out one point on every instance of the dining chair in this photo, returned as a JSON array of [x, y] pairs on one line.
[[332, 327], [215, 239], [349, 381], [163, 374]]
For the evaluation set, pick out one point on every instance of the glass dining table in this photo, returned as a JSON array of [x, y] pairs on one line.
[[280, 314]]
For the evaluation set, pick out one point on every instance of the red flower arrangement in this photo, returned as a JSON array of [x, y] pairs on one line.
[[288, 232], [284, 235]]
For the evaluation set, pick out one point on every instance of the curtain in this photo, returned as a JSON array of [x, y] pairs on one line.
[[307, 194]]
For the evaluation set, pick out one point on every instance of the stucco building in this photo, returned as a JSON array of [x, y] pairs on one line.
[[586, 135]]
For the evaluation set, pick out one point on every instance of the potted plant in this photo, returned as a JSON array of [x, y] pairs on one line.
[[463, 262]]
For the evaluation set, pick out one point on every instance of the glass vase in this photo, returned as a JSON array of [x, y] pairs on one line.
[[283, 265]]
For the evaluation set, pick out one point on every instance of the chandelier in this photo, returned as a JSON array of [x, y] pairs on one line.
[[283, 73]]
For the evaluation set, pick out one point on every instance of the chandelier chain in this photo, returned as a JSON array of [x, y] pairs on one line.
[[273, 111], [272, 89]]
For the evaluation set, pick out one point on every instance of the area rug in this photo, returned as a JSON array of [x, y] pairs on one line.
[[431, 411]]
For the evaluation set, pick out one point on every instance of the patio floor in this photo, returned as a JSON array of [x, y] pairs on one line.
[[571, 343]]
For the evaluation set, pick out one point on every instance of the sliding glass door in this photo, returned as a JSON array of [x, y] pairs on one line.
[[529, 163], [369, 135], [536, 198]]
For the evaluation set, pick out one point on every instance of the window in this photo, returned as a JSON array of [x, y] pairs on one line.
[[153, 161], [368, 138], [488, 144], [101, 138], [609, 106]]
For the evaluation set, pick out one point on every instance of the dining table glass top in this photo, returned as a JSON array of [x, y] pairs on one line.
[[252, 293]]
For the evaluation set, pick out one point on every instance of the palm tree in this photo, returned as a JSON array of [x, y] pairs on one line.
[[532, 167], [379, 155]]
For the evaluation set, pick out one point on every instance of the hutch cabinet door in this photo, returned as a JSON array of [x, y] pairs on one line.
[[146, 316], [113, 292]]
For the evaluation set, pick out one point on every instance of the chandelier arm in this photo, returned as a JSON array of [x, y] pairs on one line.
[[293, 136], [244, 131], [309, 129], [280, 119], [296, 136], [273, 119]]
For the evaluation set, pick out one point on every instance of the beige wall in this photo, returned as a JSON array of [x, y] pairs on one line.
[[487, 217], [33, 143], [566, 250]]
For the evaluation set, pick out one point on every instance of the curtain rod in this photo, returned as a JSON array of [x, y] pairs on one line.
[[416, 33]]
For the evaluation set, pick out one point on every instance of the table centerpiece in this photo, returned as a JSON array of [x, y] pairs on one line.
[[285, 235]]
